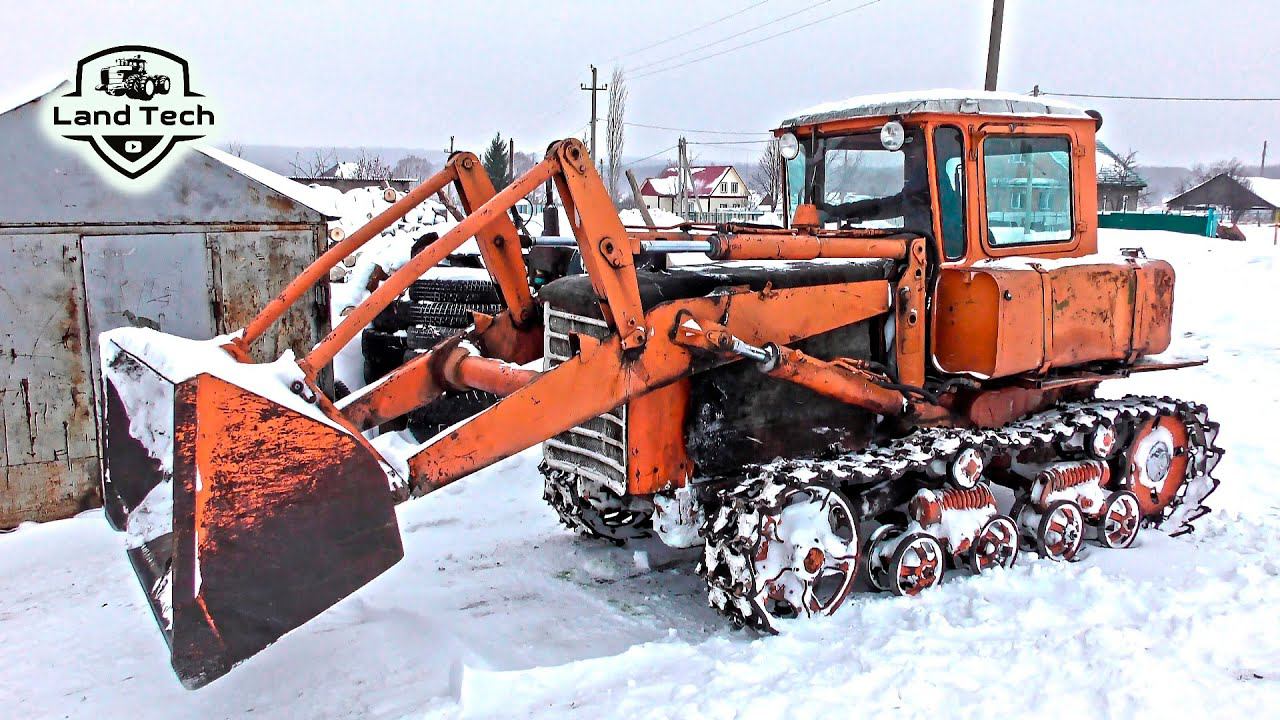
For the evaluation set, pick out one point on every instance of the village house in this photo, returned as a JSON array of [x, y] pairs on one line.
[[1119, 187], [344, 176], [710, 188]]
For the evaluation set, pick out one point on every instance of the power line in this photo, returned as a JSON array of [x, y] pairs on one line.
[[690, 130], [1182, 98], [734, 36], [732, 142], [756, 42], [689, 32], [633, 163]]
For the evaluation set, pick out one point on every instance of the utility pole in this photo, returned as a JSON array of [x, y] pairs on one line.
[[635, 193], [1262, 166], [993, 49], [444, 198], [682, 192], [594, 89], [511, 160]]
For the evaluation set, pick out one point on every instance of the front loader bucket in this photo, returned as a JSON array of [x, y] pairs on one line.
[[245, 518]]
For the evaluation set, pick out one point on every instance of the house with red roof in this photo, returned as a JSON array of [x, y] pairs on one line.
[[709, 187]]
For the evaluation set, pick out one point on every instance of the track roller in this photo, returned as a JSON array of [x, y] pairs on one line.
[[995, 545], [1118, 523], [1056, 533], [903, 563]]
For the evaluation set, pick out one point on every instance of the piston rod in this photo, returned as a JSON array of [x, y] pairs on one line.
[[658, 246]]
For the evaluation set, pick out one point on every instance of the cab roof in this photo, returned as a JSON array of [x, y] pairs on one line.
[[946, 100]]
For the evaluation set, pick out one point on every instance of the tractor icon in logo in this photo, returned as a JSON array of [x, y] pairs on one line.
[[129, 77]]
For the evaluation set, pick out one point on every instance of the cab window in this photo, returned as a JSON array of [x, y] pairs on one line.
[[1029, 191], [854, 182], [948, 157], [795, 179]]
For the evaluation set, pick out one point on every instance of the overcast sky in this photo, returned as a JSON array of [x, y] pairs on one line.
[[412, 74]]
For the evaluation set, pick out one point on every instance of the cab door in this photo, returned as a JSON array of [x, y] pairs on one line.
[[1036, 193]]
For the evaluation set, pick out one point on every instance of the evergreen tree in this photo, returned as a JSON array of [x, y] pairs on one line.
[[495, 161]]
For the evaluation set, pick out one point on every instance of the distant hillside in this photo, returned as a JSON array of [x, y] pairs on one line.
[[1163, 181], [281, 158]]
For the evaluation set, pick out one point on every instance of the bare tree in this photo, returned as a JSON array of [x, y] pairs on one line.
[[371, 167], [413, 167], [523, 163], [615, 130], [1201, 173], [1232, 168], [314, 164], [235, 148], [766, 176], [1128, 162]]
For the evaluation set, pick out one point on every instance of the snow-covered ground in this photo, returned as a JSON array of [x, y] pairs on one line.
[[498, 612]]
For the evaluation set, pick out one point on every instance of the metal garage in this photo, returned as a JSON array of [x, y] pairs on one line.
[[196, 256]]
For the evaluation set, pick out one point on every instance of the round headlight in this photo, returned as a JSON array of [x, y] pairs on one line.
[[789, 146], [892, 135]]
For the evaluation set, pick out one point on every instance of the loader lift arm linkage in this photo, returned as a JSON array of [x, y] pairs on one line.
[[278, 514], [647, 351]]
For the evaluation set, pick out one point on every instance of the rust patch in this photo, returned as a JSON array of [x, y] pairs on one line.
[[280, 204]]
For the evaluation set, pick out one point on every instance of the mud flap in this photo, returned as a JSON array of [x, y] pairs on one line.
[[261, 519]]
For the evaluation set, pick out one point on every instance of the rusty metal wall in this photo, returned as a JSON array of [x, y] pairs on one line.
[[251, 268], [63, 289], [49, 451]]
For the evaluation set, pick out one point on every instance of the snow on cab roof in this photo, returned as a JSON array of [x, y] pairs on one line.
[[948, 100]]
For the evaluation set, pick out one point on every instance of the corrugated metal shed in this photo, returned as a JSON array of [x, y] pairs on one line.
[[195, 256]]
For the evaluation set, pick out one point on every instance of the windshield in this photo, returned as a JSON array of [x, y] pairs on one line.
[[854, 181]]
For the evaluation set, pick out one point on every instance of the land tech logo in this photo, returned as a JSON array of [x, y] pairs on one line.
[[132, 104]]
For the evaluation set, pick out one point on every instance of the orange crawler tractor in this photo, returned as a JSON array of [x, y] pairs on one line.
[[897, 385]]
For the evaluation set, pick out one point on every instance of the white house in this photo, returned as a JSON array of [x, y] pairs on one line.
[[710, 188]]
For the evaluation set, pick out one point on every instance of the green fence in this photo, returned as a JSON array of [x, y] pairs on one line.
[[1206, 225]]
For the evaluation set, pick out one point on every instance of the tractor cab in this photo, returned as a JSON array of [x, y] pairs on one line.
[[999, 185], [982, 174]]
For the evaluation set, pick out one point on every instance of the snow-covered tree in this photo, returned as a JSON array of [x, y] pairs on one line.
[[495, 161]]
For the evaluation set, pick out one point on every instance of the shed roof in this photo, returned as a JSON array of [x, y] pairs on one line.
[[1266, 188], [304, 194], [47, 182], [949, 100], [1223, 191]]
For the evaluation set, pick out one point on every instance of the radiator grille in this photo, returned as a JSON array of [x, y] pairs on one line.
[[596, 449]]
